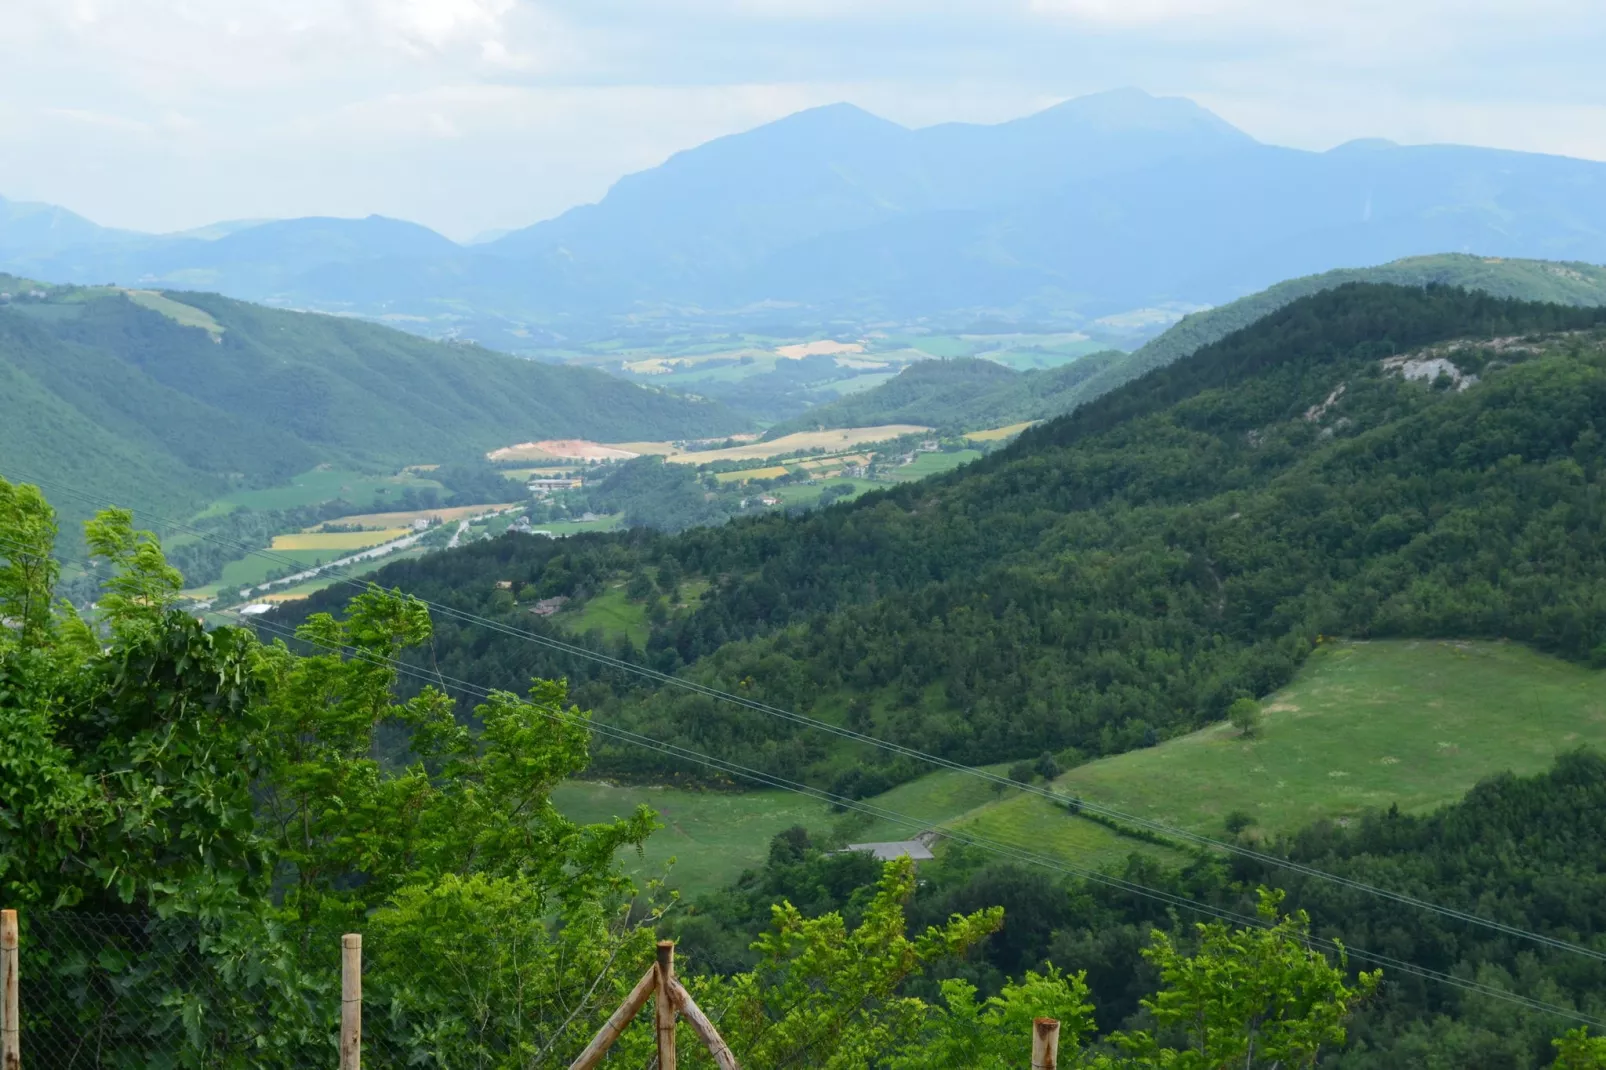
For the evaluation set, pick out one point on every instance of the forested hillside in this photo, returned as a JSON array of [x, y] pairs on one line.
[[1554, 282], [168, 402], [1124, 573], [967, 395]]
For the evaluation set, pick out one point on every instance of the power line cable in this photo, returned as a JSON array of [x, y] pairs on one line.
[[993, 846], [683, 683], [999, 848]]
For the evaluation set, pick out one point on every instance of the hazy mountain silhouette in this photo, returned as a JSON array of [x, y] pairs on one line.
[[1098, 205]]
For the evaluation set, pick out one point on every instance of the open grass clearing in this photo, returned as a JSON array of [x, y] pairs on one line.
[[252, 569], [337, 540], [323, 484], [809, 493], [712, 835], [930, 464], [180, 313], [560, 528], [998, 434], [609, 612], [1365, 725]]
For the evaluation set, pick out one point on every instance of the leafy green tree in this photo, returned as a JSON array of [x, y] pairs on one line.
[[827, 996], [1254, 997], [1577, 1050], [996, 1033], [1244, 715]]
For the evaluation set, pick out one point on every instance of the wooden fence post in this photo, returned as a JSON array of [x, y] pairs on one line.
[[10, 1031], [351, 1001], [664, 1018], [1045, 1044]]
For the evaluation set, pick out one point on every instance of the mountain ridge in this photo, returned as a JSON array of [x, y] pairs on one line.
[[1097, 206]]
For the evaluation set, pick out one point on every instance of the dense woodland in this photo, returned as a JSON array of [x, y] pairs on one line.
[[1125, 573], [961, 394]]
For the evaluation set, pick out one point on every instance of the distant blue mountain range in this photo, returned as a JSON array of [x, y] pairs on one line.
[[1098, 206]]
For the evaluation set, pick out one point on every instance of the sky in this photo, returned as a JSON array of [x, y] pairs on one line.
[[477, 115]]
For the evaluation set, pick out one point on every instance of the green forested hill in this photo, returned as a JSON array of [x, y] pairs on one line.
[[963, 393], [167, 402], [1577, 284], [971, 394], [1123, 574]]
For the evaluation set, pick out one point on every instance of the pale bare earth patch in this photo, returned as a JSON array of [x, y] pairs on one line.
[[575, 449], [845, 438], [824, 348]]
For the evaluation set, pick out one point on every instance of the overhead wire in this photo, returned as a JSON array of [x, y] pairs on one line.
[[1198, 839], [985, 844]]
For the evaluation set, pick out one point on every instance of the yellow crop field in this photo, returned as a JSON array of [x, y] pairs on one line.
[[337, 540], [998, 433], [842, 438], [752, 473], [387, 521]]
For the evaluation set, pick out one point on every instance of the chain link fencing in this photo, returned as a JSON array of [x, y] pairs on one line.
[[131, 992]]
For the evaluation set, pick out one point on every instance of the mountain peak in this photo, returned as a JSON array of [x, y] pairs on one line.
[[1133, 110]]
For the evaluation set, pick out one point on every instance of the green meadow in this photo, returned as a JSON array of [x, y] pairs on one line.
[[320, 485], [1364, 726]]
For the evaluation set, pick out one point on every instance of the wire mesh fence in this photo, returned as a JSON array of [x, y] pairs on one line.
[[139, 991]]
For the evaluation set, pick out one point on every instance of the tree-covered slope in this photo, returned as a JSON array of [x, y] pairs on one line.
[[1528, 280], [964, 393], [125, 401], [1124, 573], [976, 393]]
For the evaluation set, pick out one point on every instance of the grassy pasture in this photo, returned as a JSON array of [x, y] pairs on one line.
[[930, 464], [322, 485], [998, 434], [578, 527], [712, 835], [809, 493], [252, 569], [610, 611], [181, 314], [337, 541], [1364, 726]]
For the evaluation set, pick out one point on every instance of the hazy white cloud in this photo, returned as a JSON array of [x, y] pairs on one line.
[[472, 114]]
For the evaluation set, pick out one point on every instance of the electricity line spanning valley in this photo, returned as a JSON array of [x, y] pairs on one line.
[[841, 731], [991, 846]]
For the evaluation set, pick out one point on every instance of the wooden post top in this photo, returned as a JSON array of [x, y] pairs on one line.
[[8, 930], [352, 941], [666, 955]]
